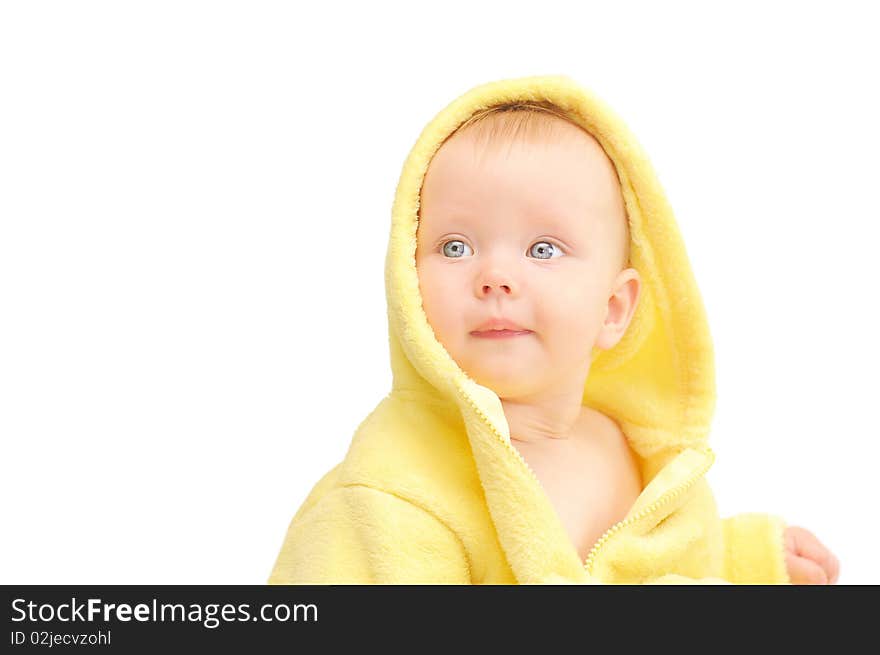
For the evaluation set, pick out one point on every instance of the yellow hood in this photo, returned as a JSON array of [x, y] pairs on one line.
[[437, 448], [658, 382]]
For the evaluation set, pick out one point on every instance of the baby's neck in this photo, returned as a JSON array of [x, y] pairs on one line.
[[543, 423]]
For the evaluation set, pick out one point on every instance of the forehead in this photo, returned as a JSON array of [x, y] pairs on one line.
[[559, 179]]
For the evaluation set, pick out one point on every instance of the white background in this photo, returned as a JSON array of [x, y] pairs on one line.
[[194, 209]]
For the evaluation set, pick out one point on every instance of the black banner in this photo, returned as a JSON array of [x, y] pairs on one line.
[[134, 619]]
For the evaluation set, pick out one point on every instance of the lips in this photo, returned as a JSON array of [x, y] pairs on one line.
[[498, 327], [500, 334]]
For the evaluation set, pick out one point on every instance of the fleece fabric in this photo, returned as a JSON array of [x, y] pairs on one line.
[[431, 490]]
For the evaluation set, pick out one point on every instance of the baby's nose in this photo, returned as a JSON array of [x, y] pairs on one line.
[[487, 288]]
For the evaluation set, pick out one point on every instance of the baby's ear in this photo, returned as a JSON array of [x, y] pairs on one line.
[[621, 306]]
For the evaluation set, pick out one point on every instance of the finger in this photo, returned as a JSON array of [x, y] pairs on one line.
[[835, 571], [807, 545], [803, 571]]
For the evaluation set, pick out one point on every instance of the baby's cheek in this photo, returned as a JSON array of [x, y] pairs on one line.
[[564, 307], [568, 325], [443, 308]]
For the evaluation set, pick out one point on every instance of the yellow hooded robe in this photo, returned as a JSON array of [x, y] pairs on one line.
[[431, 491]]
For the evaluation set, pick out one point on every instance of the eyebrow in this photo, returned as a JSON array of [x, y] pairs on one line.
[[554, 216], [551, 221]]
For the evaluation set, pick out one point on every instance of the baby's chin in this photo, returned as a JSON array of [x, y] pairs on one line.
[[507, 379]]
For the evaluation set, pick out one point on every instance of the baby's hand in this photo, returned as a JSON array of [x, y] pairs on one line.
[[807, 560]]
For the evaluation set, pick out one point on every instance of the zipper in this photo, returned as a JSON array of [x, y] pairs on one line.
[[666, 497]]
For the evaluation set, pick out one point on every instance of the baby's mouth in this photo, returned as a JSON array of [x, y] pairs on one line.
[[499, 334]]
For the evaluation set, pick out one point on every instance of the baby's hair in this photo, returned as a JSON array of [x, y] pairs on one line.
[[535, 119], [529, 118]]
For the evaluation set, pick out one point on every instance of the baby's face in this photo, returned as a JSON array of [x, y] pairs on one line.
[[529, 232]]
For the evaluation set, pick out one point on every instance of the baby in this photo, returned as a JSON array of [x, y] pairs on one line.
[[551, 396], [522, 260]]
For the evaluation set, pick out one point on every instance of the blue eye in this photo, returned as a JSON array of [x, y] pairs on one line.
[[544, 247], [455, 248]]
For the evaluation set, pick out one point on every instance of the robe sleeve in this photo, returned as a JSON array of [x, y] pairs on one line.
[[754, 549], [753, 553], [356, 534]]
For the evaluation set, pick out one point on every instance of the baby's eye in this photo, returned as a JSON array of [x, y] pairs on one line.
[[544, 248], [455, 248]]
